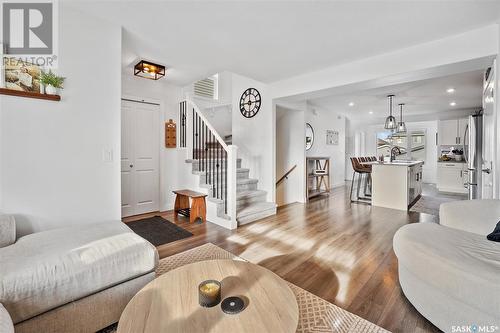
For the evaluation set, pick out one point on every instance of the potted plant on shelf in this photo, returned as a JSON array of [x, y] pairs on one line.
[[52, 82], [458, 153]]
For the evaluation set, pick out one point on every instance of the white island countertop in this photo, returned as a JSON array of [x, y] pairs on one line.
[[395, 163], [396, 184]]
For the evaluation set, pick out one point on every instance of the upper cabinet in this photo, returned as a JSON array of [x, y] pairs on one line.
[[462, 124], [451, 132]]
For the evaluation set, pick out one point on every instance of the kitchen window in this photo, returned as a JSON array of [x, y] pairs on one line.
[[411, 144]]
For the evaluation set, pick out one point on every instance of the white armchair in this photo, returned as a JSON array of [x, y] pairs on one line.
[[450, 271], [7, 230], [6, 325]]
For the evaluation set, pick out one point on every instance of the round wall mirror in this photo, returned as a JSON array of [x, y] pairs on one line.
[[309, 136]]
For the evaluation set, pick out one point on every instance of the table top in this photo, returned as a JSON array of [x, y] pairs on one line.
[[189, 193], [170, 302]]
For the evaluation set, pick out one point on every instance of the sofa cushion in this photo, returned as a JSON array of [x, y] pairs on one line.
[[7, 230], [477, 216], [463, 265], [47, 269], [6, 325]]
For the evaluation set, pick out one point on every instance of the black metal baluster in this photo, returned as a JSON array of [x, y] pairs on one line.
[[206, 151], [184, 125], [193, 129], [202, 148], [220, 171], [212, 163], [217, 173], [198, 139], [225, 183]]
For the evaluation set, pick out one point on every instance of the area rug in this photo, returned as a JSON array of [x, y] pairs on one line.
[[429, 205], [158, 231], [315, 314]]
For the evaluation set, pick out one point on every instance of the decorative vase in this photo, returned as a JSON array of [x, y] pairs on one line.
[[50, 90]]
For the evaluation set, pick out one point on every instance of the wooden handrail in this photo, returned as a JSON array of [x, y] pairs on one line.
[[286, 175]]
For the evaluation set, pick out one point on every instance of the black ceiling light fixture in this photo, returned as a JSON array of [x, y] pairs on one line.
[[390, 121], [401, 124], [149, 70]]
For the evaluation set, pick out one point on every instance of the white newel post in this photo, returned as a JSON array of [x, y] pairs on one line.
[[232, 155]]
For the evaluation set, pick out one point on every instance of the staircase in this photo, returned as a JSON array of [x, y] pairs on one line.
[[251, 204], [209, 162]]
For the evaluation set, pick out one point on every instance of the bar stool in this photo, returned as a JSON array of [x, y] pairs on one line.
[[363, 171]]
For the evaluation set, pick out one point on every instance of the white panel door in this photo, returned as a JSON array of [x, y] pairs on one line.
[[140, 158]]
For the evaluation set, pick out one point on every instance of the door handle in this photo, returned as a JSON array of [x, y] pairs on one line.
[[487, 170]]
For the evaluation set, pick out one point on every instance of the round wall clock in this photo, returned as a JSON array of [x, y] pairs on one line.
[[250, 102]]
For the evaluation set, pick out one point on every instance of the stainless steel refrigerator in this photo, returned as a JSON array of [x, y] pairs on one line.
[[473, 154]]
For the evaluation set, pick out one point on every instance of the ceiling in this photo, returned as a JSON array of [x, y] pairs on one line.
[[273, 40], [425, 97]]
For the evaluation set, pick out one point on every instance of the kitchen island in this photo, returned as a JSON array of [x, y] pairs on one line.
[[396, 184]]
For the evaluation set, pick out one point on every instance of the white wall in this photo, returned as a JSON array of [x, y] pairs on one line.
[[173, 174], [290, 151], [52, 170], [255, 137], [322, 120], [369, 133]]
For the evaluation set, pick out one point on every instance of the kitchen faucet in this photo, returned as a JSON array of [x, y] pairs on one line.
[[395, 150]]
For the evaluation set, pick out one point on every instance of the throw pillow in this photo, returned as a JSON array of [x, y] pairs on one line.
[[495, 235]]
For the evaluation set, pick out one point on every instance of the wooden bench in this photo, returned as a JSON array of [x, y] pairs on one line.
[[198, 207]]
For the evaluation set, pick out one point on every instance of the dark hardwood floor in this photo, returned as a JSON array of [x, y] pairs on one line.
[[341, 252]]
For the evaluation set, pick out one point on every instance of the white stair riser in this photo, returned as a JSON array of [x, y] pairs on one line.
[[256, 216], [246, 187], [249, 200]]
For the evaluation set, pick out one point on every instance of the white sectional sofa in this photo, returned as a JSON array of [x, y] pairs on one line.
[[75, 279], [449, 271]]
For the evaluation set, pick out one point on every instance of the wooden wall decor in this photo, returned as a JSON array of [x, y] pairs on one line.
[[170, 134]]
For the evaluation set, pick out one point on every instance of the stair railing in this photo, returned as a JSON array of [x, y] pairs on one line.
[[214, 157], [285, 176]]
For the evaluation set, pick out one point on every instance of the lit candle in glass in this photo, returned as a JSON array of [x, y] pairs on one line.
[[209, 293]]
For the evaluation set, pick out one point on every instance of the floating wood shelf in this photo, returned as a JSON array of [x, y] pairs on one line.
[[27, 94]]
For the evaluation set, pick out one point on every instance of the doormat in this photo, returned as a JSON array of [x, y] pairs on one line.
[[158, 231]]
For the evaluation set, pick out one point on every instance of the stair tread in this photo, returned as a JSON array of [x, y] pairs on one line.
[[254, 208], [246, 181], [249, 193]]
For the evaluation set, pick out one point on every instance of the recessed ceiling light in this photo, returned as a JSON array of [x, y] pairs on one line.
[[351, 103], [453, 103], [450, 90], [370, 112]]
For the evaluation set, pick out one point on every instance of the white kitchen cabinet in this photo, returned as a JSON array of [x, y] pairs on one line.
[[451, 177], [447, 132], [462, 124], [451, 132]]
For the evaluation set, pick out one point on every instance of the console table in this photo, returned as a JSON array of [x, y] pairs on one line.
[[318, 176]]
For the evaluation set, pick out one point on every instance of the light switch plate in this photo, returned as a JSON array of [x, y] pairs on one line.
[[107, 155]]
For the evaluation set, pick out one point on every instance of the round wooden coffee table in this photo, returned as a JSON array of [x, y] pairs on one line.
[[170, 302]]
